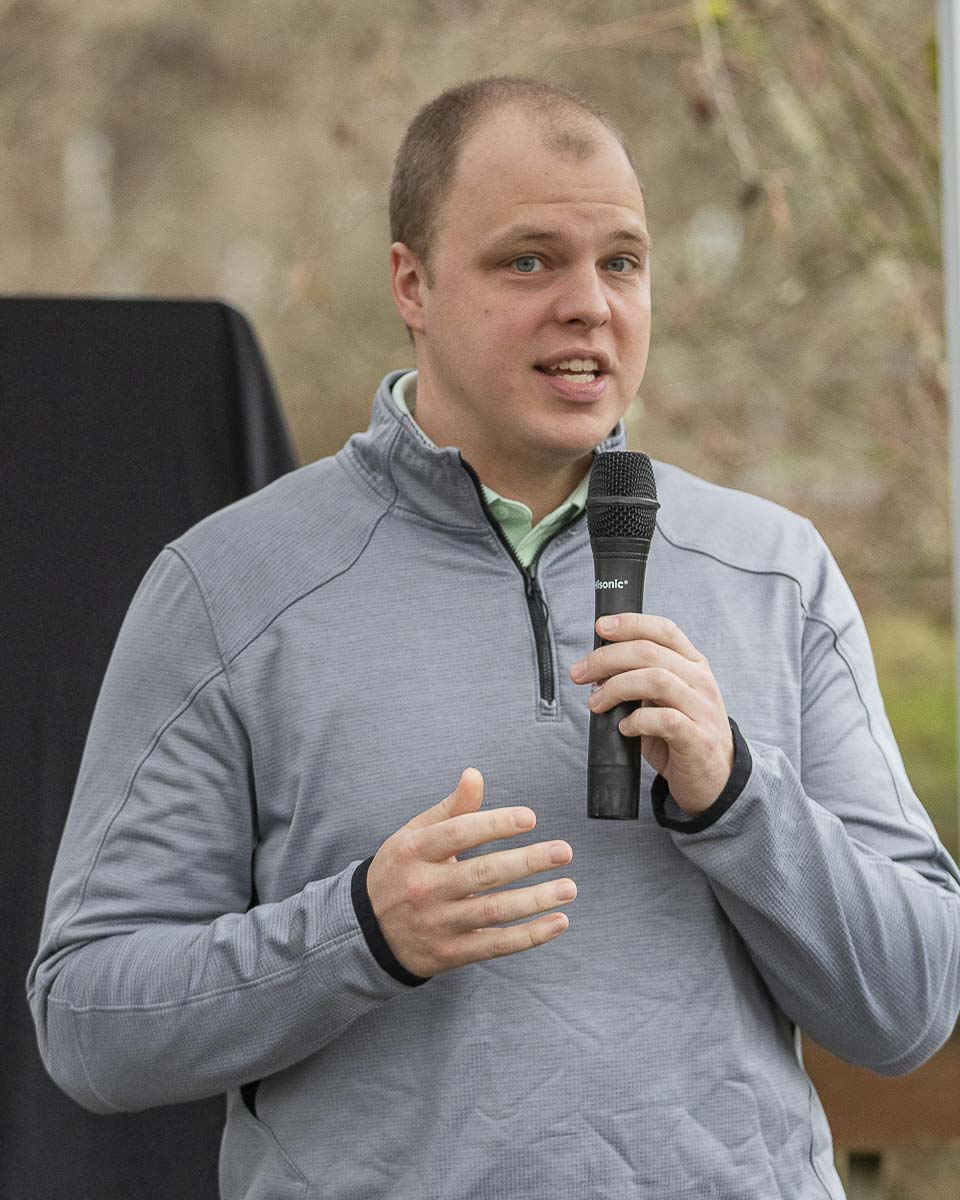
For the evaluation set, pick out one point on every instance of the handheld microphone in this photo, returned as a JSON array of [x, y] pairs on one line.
[[621, 515]]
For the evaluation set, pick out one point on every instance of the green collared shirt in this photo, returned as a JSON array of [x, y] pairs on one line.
[[513, 516]]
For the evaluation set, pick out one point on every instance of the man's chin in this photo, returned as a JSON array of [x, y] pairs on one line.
[[581, 431], [559, 451]]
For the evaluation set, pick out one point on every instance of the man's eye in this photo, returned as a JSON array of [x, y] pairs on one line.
[[628, 264], [531, 262]]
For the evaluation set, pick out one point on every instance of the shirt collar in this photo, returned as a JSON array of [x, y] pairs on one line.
[[404, 393], [397, 460]]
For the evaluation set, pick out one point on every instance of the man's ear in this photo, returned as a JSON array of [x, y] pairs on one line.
[[408, 281]]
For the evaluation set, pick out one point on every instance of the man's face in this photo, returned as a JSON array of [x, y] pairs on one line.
[[538, 258]]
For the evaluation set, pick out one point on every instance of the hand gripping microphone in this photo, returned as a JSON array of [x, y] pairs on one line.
[[621, 516]]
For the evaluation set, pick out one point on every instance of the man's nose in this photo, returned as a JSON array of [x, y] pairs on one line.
[[582, 296]]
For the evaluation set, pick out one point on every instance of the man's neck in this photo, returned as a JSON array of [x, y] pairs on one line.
[[541, 494], [542, 486]]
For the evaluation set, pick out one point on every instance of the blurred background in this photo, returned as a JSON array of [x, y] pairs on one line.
[[789, 151]]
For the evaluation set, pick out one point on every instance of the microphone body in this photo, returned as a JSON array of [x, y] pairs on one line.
[[622, 519], [614, 761]]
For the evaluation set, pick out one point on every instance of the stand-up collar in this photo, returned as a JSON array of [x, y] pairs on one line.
[[394, 457]]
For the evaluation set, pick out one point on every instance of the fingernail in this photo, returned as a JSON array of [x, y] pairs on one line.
[[578, 670], [608, 624]]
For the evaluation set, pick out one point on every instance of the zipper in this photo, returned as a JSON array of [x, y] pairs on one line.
[[536, 602]]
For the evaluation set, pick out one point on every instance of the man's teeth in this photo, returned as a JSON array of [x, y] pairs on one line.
[[577, 370]]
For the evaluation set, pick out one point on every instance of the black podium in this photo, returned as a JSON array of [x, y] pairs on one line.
[[122, 423]]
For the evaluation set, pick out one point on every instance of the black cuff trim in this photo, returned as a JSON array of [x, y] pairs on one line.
[[372, 932], [742, 766]]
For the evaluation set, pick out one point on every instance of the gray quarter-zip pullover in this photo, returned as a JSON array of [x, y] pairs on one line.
[[302, 672]]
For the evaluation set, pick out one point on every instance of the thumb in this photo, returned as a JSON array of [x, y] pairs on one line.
[[467, 796]]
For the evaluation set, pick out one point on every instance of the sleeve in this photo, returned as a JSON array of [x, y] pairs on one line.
[[739, 774], [156, 981], [835, 877]]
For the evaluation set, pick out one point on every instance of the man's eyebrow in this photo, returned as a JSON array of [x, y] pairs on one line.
[[531, 233]]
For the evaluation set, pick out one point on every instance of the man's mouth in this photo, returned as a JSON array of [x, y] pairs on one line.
[[575, 370], [578, 379]]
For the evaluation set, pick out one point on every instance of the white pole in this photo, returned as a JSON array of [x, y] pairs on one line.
[[948, 57]]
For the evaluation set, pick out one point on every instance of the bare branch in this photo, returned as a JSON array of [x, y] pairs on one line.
[[719, 77]]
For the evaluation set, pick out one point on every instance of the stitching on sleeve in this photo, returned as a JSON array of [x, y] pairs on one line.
[[83, 1062], [155, 741], [893, 778], [181, 1003]]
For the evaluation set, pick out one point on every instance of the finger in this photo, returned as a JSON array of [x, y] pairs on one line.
[[437, 842], [662, 630], [505, 866], [495, 909], [667, 723], [466, 796], [614, 657], [484, 944], [649, 683]]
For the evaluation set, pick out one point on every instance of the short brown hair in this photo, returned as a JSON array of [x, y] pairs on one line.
[[426, 161]]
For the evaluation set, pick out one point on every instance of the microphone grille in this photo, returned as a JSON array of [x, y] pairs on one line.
[[617, 480]]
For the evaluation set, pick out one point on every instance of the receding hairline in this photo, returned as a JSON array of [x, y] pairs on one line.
[[579, 140], [565, 129]]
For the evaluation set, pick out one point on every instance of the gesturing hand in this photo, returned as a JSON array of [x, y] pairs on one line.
[[437, 913], [681, 721]]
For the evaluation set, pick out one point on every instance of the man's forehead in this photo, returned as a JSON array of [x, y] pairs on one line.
[[508, 174], [498, 214]]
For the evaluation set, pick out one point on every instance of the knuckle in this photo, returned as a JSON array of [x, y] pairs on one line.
[[533, 934], [500, 946], [418, 892], [404, 844], [491, 909], [484, 872], [457, 826], [446, 955]]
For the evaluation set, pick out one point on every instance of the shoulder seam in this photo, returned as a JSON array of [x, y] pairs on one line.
[[809, 615], [328, 579], [204, 599], [866, 710], [208, 609], [732, 565], [822, 546], [314, 588]]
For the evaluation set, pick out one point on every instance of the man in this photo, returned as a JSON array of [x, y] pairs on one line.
[[258, 890]]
